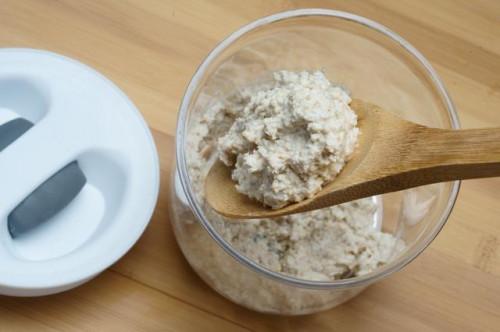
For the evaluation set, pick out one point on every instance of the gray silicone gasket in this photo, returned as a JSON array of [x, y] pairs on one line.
[[50, 197]]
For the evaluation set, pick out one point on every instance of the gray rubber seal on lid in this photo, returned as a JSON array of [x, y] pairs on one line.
[[12, 130], [47, 200], [50, 197]]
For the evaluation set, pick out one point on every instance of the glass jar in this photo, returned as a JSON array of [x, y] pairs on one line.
[[375, 65]]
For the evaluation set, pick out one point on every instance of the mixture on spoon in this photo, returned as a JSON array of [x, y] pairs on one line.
[[290, 138]]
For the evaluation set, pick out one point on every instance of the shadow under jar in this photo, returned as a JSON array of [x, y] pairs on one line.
[[373, 64]]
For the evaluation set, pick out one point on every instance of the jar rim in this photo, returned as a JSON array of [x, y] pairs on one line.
[[197, 210]]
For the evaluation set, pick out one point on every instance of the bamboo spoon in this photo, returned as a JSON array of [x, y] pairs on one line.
[[392, 154]]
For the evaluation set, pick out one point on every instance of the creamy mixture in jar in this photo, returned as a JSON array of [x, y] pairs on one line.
[[328, 244]]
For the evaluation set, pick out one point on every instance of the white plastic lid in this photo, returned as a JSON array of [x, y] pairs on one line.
[[79, 115]]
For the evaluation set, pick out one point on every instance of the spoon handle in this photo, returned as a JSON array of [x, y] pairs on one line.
[[444, 155]]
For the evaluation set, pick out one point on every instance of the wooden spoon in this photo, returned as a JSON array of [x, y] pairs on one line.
[[392, 154]]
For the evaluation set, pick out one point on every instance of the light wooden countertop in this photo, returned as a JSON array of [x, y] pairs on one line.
[[150, 48]]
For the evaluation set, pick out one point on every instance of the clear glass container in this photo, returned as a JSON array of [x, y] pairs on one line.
[[375, 65]]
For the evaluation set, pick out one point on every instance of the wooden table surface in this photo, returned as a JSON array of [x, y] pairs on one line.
[[150, 48]]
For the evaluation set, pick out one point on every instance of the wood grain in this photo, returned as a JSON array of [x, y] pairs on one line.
[[150, 48]]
